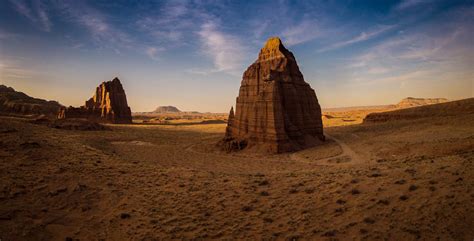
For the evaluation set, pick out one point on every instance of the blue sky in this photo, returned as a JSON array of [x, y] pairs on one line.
[[191, 54]]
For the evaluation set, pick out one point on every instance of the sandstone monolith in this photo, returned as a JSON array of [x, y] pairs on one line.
[[276, 110], [109, 104]]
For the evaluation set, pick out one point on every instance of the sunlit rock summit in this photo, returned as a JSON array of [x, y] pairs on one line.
[[276, 110]]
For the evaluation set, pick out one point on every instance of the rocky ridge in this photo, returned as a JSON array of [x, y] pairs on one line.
[[413, 102], [18, 103]]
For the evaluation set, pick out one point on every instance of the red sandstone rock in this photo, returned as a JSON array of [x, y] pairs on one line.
[[276, 109], [109, 104]]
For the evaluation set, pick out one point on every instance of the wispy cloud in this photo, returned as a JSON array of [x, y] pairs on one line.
[[12, 70], [35, 12], [425, 50], [415, 56], [199, 71], [22, 8], [406, 4], [259, 28], [179, 23], [302, 32], [6, 35], [403, 78], [102, 32], [226, 50], [171, 24], [43, 16], [378, 70], [364, 36], [171, 35], [381, 53], [153, 52]]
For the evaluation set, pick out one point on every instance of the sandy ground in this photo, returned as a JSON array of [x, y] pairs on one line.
[[404, 180]]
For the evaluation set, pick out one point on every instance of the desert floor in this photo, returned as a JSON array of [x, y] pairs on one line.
[[403, 180]]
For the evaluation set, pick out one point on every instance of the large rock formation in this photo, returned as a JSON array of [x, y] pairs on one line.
[[109, 104], [18, 103], [276, 109]]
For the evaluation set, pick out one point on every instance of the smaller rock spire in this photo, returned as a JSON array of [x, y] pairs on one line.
[[230, 120], [231, 113], [108, 104]]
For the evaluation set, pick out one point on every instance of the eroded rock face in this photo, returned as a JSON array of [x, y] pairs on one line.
[[276, 109], [109, 104], [18, 103]]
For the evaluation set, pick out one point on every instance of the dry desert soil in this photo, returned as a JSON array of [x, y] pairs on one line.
[[396, 180]]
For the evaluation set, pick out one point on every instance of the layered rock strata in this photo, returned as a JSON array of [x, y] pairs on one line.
[[109, 104], [276, 109]]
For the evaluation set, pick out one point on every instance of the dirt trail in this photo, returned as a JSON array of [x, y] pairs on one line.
[[347, 153], [346, 150], [293, 157]]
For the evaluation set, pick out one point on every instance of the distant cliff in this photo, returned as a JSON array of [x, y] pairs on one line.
[[459, 107], [414, 102], [18, 103]]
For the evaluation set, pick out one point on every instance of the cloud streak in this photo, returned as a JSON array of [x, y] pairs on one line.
[[6, 35], [419, 55], [171, 25], [304, 31], [226, 50], [406, 4], [35, 12], [153, 52], [364, 36], [103, 34], [10, 69]]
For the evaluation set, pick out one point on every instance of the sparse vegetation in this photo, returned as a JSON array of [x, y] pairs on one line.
[[165, 179]]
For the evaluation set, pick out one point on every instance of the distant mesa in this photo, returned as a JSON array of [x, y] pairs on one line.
[[109, 105], [276, 110], [166, 109], [452, 108], [18, 103], [414, 102], [404, 103]]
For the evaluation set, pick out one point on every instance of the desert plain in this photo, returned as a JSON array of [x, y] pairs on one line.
[[236, 120], [401, 179]]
